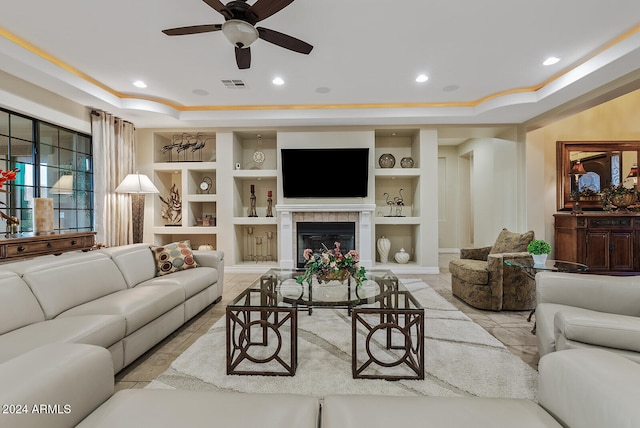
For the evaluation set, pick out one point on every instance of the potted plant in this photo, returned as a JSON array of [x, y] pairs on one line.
[[539, 250]]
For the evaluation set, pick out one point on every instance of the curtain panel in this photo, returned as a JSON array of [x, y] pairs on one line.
[[114, 158]]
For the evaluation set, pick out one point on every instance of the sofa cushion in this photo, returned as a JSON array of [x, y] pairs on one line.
[[192, 280], [364, 411], [18, 305], [173, 257], [72, 274], [511, 242], [598, 328], [101, 330], [139, 306], [136, 262], [134, 408], [471, 271]]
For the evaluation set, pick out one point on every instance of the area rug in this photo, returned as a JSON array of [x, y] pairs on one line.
[[461, 359]]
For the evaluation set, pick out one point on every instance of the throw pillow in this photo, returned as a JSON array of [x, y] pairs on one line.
[[511, 242], [173, 257]]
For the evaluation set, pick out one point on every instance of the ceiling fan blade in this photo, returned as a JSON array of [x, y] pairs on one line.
[[243, 58], [284, 40], [262, 9], [220, 8], [193, 29]]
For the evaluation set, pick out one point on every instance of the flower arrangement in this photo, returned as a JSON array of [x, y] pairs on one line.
[[8, 175], [329, 264], [538, 246]]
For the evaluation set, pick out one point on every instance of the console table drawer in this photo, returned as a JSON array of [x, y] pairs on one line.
[[41, 245]]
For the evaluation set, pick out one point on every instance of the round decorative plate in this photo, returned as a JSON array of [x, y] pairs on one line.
[[258, 157]]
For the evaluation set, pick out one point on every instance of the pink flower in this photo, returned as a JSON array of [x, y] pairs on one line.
[[308, 253]]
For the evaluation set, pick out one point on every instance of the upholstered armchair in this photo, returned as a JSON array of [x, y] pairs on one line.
[[481, 279]]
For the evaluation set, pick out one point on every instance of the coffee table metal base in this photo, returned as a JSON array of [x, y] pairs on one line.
[[401, 332], [257, 341]]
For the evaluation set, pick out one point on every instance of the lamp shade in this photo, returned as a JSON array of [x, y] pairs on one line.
[[577, 169], [64, 186], [240, 33], [136, 183]]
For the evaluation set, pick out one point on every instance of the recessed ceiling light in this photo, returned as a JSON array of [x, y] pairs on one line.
[[278, 81], [422, 78], [551, 60], [139, 84]]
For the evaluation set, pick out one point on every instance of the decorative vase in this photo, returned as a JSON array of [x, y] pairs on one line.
[[387, 160], [623, 201], [539, 259], [402, 256], [384, 245], [406, 162], [339, 275]]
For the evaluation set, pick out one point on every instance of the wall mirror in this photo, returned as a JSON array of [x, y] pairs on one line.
[[585, 168]]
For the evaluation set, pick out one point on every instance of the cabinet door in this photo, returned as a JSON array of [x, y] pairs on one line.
[[621, 251], [597, 250]]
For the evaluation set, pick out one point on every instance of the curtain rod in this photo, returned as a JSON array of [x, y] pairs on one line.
[[97, 113]]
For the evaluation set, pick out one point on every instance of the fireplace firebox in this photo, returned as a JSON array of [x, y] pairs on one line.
[[316, 234]]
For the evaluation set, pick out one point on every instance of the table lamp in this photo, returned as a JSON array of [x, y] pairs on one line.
[[138, 185]]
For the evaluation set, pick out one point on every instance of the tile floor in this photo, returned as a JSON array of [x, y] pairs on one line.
[[510, 327]]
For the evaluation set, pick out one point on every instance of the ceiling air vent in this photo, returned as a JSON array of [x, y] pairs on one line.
[[234, 83]]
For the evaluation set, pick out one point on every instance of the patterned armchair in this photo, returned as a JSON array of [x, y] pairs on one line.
[[481, 279]]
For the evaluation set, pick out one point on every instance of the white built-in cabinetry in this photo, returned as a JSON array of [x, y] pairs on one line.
[[186, 170], [401, 224], [251, 243]]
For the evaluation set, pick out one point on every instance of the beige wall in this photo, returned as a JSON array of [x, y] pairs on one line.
[[618, 119]]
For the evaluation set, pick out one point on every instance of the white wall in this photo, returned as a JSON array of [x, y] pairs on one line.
[[30, 100], [448, 199], [495, 183]]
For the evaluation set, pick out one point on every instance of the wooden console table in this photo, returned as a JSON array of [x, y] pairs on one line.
[[28, 245]]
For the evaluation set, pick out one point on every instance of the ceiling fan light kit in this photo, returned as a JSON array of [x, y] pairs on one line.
[[240, 33], [239, 27]]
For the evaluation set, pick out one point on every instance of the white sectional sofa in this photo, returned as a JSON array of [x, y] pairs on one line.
[[588, 311], [67, 385], [109, 297]]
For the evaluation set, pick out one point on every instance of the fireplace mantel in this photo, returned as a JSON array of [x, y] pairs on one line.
[[325, 208], [287, 239]]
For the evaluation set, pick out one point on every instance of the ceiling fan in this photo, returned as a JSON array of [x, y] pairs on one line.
[[239, 27]]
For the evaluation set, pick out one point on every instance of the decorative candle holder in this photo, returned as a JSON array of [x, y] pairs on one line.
[[252, 202], [269, 204]]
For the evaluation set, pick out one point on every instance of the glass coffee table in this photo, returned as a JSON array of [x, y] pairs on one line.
[[387, 324]]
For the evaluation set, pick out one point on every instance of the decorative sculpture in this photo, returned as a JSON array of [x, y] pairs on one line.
[[186, 143], [172, 211], [397, 202]]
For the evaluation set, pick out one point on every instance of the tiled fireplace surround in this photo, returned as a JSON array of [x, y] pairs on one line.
[[290, 214]]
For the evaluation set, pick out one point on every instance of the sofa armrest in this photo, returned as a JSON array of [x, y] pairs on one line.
[[56, 385], [214, 259], [590, 388], [604, 293], [475, 253]]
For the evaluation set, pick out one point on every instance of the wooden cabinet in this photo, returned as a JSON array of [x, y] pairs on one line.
[[606, 242], [38, 245]]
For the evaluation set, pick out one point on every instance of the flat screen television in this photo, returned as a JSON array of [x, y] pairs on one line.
[[325, 173]]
